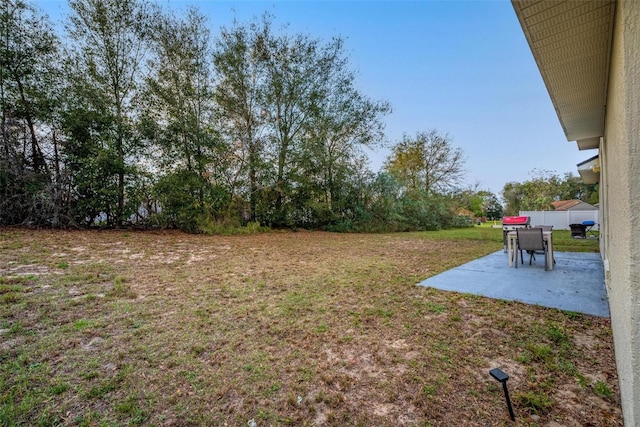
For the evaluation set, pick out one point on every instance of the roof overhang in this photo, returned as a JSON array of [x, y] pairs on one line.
[[589, 143], [589, 170], [571, 44]]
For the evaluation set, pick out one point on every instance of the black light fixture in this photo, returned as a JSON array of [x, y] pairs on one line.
[[500, 376]]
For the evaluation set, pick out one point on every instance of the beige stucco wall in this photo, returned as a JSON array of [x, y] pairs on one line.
[[620, 191]]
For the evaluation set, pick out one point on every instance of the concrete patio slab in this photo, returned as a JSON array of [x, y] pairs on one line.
[[575, 284]]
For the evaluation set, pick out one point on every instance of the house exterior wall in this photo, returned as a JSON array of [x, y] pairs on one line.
[[620, 203]]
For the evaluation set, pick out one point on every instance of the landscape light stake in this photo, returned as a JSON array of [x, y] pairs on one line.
[[502, 377]]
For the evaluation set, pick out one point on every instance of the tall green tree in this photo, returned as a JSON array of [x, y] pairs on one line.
[[28, 49], [427, 162], [315, 112], [572, 187], [344, 122], [482, 203], [290, 106], [28, 84], [179, 106], [106, 64], [297, 70], [240, 106], [179, 92]]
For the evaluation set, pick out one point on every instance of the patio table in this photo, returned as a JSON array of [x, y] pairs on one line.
[[512, 247]]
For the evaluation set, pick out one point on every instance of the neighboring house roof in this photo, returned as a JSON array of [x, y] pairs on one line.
[[563, 205], [572, 205], [571, 43]]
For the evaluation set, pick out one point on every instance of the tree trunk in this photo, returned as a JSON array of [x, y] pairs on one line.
[[120, 149], [38, 162], [253, 184]]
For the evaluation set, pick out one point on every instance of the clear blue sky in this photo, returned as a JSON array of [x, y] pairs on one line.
[[461, 67]]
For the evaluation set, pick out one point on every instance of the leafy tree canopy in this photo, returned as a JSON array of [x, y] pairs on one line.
[[427, 162], [141, 116], [543, 188]]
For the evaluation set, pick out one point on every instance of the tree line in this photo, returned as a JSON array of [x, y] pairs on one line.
[[544, 187], [140, 116]]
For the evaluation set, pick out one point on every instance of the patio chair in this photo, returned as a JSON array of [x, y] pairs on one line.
[[545, 228], [578, 230], [531, 240]]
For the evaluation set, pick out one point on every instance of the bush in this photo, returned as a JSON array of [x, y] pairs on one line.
[[229, 228], [188, 201], [535, 402]]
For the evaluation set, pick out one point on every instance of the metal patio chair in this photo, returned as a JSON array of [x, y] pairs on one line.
[[545, 228], [531, 240]]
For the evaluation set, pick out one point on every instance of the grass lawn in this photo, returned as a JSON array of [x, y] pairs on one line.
[[303, 329]]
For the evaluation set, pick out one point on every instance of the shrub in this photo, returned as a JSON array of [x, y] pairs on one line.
[[537, 403]]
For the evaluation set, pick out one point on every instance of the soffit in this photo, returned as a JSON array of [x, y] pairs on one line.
[[571, 41], [589, 176], [589, 170]]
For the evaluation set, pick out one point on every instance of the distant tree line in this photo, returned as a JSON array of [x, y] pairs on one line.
[[142, 117], [544, 187]]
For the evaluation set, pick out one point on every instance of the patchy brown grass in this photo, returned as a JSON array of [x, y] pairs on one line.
[[308, 328]]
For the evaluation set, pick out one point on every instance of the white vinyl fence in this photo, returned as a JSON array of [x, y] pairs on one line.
[[561, 219]]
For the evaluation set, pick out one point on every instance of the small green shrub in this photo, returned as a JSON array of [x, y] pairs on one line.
[[556, 334], [535, 402], [7, 288], [436, 308], [321, 328], [226, 228], [99, 391], [10, 298], [541, 352], [58, 389], [82, 324], [429, 390], [602, 389], [11, 290], [121, 289]]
